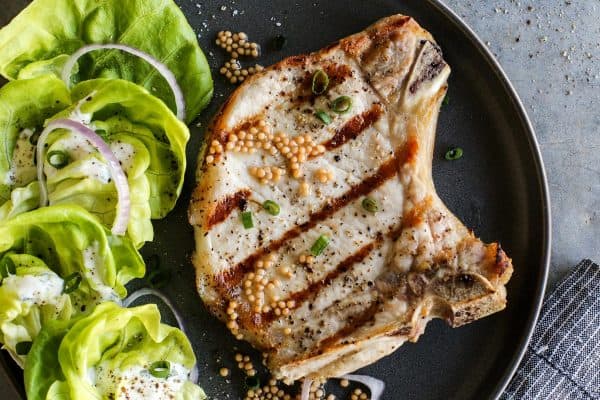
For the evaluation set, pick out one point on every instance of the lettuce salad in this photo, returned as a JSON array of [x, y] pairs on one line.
[[92, 148]]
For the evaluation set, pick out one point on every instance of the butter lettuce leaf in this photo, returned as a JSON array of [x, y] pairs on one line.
[[89, 357], [24, 107], [125, 114], [39, 251], [38, 39]]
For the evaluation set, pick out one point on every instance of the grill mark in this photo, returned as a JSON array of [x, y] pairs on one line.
[[226, 207], [354, 127], [234, 275], [315, 287], [353, 323]]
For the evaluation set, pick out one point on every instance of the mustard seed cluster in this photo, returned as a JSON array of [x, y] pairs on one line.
[[251, 139], [271, 391], [232, 316], [237, 45], [297, 150], [267, 174], [324, 175], [256, 285], [234, 71]]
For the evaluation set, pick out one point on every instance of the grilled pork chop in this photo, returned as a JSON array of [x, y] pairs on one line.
[[326, 286]]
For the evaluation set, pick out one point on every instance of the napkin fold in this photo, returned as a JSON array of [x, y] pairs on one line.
[[563, 357]]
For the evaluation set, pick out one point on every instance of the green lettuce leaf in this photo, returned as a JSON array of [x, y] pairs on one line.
[[37, 40], [40, 250], [124, 112], [43, 375], [87, 357], [24, 106]]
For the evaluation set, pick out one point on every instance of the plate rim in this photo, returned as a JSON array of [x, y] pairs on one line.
[[542, 180], [540, 175]]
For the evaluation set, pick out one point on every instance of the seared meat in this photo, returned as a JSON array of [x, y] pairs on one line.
[[383, 274]]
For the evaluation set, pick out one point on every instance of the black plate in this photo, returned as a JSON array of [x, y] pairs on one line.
[[498, 189]]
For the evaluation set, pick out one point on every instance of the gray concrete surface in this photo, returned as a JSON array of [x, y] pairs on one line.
[[550, 50]]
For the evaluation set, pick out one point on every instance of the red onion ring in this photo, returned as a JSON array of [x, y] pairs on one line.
[[159, 66], [123, 204]]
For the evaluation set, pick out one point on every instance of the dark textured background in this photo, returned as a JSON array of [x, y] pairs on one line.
[[494, 189]]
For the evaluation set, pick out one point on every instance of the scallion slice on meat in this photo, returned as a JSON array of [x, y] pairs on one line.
[[370, 204], [271, 207], [323, 116], [453, 154], [342, 104], [58, 159], [319, 245], [247, 220], [320, 82], [160, 369], [72, 282]]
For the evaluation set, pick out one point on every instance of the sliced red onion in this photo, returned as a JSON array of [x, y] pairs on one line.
[[305, 394], [194, 374], [124, 203], [159, 66], [376, 386]]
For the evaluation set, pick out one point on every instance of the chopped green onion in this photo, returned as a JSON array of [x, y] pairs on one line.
[[319, 245], [160, 369], [323, 116], [320, 82], [58, 159], [454, 154], [370, 204], [72, 282], [247, 220], [271, 207], [342, 104], [22, 348], [252, 382], [7, 267]]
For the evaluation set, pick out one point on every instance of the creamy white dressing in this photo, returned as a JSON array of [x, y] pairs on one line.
[[136, 383], [42, 289], [22, 169], [124, 152], [91, 262], [78, 148]]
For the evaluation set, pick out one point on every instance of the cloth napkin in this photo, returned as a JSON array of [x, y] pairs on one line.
[[563, 358]]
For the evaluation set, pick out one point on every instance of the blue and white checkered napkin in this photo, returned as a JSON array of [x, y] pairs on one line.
[[563, 357]]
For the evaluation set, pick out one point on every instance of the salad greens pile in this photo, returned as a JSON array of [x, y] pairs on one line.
[[112, 351], [92, 148]]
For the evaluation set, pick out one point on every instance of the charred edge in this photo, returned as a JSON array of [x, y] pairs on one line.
[[431, 70], [344, 266], [383, 33], [353, 323], [234, 276], [354, 127], [227, 205]]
